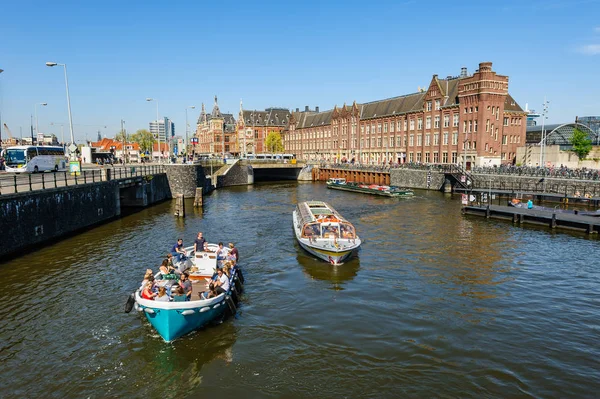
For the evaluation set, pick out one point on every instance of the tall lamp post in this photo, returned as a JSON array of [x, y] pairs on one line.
[[37, 129], [543, 142], [158, 129], [186, 129], [52, 64]]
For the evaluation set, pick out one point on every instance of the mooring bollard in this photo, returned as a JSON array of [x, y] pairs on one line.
[[198, 198], [179, 206]]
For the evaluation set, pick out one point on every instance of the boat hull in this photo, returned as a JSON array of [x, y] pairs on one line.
[[335, 258], [368, 191], [172, 322]]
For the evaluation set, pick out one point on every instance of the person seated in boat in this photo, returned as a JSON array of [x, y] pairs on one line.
[[186, 284], [199, 242], [162, 295], [221, 252], [234, 251], [178, 294], [209, 293], [178, 251], [222, 283], [148, 278], [147, 291]]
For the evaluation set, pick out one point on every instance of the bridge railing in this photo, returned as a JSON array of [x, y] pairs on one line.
[[16, 183]]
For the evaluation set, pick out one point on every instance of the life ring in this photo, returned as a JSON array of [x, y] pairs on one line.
[[205, 255]]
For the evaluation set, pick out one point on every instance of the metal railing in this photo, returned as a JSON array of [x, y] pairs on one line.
[[17, 183]]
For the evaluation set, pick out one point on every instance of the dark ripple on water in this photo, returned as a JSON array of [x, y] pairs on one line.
[[434, 304]]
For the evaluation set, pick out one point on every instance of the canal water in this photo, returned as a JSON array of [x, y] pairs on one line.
[[434, 305]]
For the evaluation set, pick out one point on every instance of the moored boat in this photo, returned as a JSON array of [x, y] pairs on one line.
[[375, 189], [174, 319], [323, 232]]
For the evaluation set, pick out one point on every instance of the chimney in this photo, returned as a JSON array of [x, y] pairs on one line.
[[463, 72], [306, 108], [297, 109], [316, 109]]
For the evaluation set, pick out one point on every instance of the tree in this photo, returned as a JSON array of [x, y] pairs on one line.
[[273, 142], [119, 136], [144, 138], [582, 145]]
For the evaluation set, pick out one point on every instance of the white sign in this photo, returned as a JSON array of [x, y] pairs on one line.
[[72, 148], [472, 198], [465, 199]]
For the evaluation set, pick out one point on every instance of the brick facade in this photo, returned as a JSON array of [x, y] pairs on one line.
[[469, 118]]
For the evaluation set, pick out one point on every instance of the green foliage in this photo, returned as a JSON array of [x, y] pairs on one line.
[[273, 143], [120, 136], [144, 138], [582, 145]]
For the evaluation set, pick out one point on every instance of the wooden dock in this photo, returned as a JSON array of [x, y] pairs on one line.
[[553, 220]]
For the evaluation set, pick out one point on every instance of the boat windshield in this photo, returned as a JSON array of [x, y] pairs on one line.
[[311, 230], [13, 157], [330, 230], [347, 231]]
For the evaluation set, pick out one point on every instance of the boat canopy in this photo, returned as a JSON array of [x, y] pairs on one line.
[[320, 220]]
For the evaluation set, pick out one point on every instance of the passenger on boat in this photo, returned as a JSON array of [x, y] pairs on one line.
[[162, 295], [234, 251], [147, 291], [222, 283], [221, 252], [206, 248], [148, 278], [199, 242], [210, 293], [178, 294], [186, 284], [178, 251]]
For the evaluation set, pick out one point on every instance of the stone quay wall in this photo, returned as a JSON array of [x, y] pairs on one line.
[[31, 219], [184, 179], [421, 179]]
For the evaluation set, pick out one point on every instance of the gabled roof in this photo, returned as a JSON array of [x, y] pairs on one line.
[[511, 105], [107, 144], [392, 106], [269, 117]]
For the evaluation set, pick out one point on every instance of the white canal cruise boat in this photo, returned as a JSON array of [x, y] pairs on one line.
[[323, 232]]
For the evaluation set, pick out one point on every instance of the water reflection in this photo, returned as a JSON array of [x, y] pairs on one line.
[[319, 270]]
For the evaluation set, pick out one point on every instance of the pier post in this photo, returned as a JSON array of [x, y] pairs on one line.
[[515, 218], [521, 218], [179, 206], [553, 221], [198, 199], [487, 212]]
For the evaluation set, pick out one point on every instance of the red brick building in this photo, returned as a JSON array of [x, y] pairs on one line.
[[215, 133], [253, 127], [467, 118]]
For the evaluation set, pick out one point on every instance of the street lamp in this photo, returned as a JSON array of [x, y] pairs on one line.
[[158, 129], [186, 128], [51, 64], [37, 129], [543, 142]]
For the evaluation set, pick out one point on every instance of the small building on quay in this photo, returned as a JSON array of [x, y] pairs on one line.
[[558, 148], [469, 119]]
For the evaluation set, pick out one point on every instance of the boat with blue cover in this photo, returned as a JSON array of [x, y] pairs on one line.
[[175, 319]]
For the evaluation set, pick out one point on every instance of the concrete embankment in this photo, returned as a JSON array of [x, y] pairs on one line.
[[28, 220]]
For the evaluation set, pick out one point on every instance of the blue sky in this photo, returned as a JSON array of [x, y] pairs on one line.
[[288, 54]]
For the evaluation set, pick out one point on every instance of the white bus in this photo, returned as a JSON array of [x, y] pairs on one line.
[[31, 158]]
